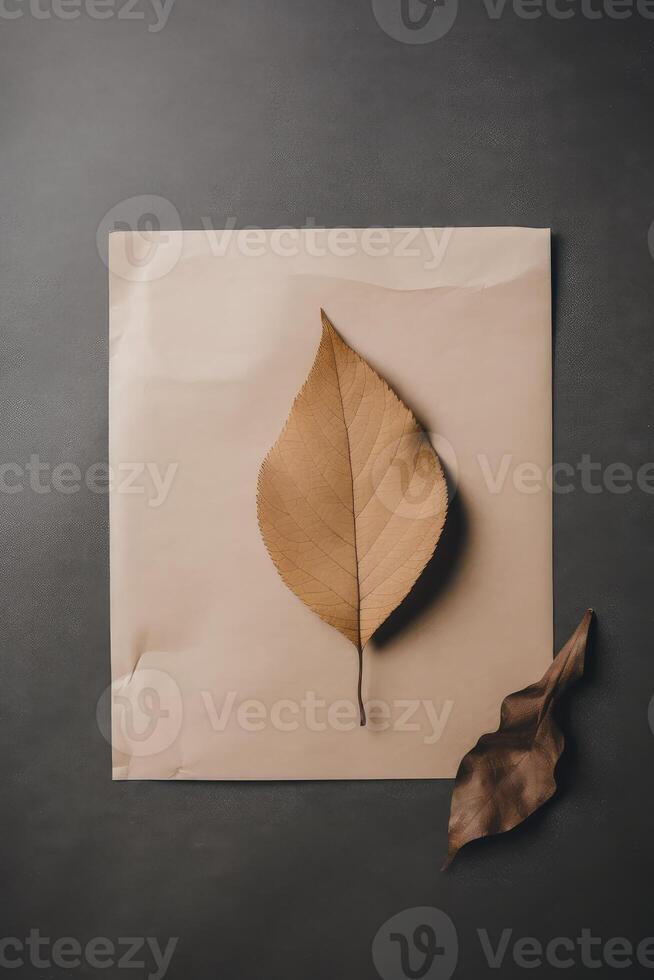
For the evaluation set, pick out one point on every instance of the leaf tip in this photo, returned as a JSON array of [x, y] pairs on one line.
[[586, 621], [326, 322], [449, 858]]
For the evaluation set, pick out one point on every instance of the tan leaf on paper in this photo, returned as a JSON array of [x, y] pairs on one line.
[[351, 498], [510, 773]]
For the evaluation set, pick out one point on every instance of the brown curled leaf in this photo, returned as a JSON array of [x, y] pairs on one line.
[[351, 498], [510, 773]]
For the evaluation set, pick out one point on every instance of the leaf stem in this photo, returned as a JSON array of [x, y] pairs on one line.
[[362, 710]]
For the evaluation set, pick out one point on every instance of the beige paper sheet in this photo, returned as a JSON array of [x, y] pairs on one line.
[[219, 671]]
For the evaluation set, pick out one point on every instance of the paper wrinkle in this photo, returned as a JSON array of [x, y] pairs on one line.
[[235, 369]]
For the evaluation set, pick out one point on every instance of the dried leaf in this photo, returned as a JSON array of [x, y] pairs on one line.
[[510, 773], [351, 498]]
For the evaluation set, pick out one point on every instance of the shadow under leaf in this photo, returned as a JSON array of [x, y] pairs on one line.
[[437, 574]]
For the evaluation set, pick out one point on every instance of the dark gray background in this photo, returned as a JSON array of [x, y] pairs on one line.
[[269, 113]]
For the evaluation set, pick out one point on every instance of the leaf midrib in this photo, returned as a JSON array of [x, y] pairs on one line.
[[354, 521]]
